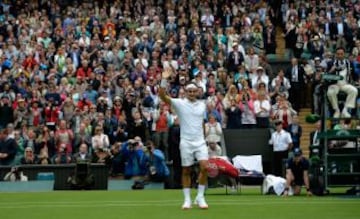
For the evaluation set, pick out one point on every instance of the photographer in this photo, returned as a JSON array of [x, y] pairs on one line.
[[117, 161], [15, 174], [135, 158], [158, 170]]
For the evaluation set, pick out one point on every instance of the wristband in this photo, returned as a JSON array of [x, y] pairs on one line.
[[307, 189], [286, 189], [163, 83]]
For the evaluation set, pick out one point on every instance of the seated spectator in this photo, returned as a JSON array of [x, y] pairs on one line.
[[214, 148], [297, 174], [62, 156], [83, 154], [213, 129], [29, 157]]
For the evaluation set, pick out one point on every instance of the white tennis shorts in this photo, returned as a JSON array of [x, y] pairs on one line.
[[191, 150]]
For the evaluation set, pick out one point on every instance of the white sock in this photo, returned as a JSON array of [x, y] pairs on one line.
[[187, 194], [201, 190]]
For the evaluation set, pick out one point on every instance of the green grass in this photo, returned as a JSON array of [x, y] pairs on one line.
[[158, 204]]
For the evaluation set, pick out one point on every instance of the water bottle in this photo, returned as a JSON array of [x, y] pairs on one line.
[[351, 167], [333, 167]]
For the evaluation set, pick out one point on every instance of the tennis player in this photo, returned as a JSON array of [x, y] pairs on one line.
[[190, 112]]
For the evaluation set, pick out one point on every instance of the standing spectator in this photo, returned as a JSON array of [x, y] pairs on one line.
[[280, 85], [284, 111], [52, 113], [262, 109], [295, 131], [282, 144], [235, 59], [296, 76], [161, 119], [269, 39], [64, 136], [6, 112], [251, 60], [246, 106], [137, 126], [8, 147], [21, 113], [259, 77], [233, 115], [100, 141], [174, 146]]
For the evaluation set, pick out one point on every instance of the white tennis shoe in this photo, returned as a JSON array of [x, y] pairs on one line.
[[186, 205], [200, 201]]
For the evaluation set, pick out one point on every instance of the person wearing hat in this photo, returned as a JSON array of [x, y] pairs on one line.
[[282, 143], [297, 174], [235, 58], [316, 47], [259, 77]]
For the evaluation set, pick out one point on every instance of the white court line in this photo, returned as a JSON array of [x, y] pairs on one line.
[[160, 203]]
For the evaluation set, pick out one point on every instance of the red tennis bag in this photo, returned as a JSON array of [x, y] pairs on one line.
[[221, 166]]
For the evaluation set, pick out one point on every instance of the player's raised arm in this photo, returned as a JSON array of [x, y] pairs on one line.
[[163, 85]]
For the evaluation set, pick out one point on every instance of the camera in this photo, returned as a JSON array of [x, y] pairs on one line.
[[14, 170], [134, 144]]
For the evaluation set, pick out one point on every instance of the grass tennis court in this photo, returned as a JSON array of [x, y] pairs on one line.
[[158, 204]]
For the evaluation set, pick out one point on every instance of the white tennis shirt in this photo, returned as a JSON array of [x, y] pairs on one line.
[[191, 117]]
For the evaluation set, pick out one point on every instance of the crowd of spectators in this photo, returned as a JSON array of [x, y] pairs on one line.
[[83, 77]]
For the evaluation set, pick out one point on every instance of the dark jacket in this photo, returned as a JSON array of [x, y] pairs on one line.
[[8, 146]]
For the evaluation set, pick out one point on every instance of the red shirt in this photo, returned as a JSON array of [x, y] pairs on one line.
[[161, 123]]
